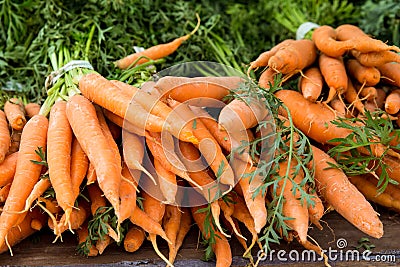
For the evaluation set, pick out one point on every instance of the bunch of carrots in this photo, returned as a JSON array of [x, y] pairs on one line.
[[108, 161]]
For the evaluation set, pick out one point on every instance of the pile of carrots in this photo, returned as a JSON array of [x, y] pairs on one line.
[[109, 162]]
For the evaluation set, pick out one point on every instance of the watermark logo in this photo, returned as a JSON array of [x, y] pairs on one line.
[[341, 253]]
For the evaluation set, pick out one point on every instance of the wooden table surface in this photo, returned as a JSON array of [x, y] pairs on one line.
[[46, 253]]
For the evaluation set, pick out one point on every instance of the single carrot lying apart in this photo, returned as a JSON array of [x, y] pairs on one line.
[[334, 186], [5, 138], [154, 52], [14, 110]]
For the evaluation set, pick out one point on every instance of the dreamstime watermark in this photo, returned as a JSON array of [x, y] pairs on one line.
[[340, 253]]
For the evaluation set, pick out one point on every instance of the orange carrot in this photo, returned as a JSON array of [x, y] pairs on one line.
[[311, 83], [79, 167], [184, 227], [91, 176], [127, 191], [315, 211], [368, 76], [14, 110], [99, 90], [325, 39], [351, 96], [7, 169], [198, 90], [334, 72], [78, 217], [171, 224], [340, 107], [126, 125], [32, 109], [86, 127], [362, 41], [103, 243], [390, 73], [392, 102], [26, 175], [155, 52], [5, 138], [4, 191], [96, 198], [134, 238], [374, 59], [267, 78], [293, 57], [83, 233], [366, 92], [220, 246], [167, 181], [59, 141], [40, 187], [336, 189]]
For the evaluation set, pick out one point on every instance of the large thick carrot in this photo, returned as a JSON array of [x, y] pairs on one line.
[[335, 188], [334, 72], [86, 127], [26, 175], [5, 138], [368, 76], [59, 141], [197, 90], [7, 169], [221, 247], [311, 83], [324, 38], [14, 110], [158, 108], [390, 73], [362, 41], [155, 52], [293, 56], [104, 93], [375, 59]]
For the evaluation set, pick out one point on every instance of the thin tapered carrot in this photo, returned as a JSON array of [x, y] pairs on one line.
[[14, 110], [4, 191], [369, 76], [155, 52], [215, 212], [7, 169], [315, 211], [104, 93], [79, 167], [158, 108], [83, 233], [59, 141], [40, 187], [334, 72], [103, 243], [26, 175], [351, 96], [32, 109], [267, 78], [5, 138], [167, 182], [221, 247], [366, 92], [228, 210], [208, 146], [311, 83], [126, 125], [184, 227], [374, 59], [15, 141], [127, 191], [171, 225], [334, 186], [199, 91], [50, 204], [390, 73], [392, 102], [86, 127], [134, 238]]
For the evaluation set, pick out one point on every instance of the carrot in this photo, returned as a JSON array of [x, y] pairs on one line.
[[184, 227], [15, 141], [40, 187], [293, 57], [104, 93], [334, 72], [208, 146], [14, 110], [334, 186], [103, 243], [83, 233], [263, 58], [126, 125], [198, 90], [228, 209], [362, 41], [368, 186], [158, 108], [351, 96], [4, 191], [339, 107], [316, 210], [26, 175], [91, 176], [325, 39], [127, 191], [167, 181], [393, 167], [249, 182], [220, 246], [374, 59], [50, 204], [86, 127], [32, 109], [390, 73], [7, 169], [392, 102], [96, 198], [79, 167], [267, 78], [59, 141], [5, 138], [368, 76], [155, 52], [171, 224], [134, 238], [311, 83]]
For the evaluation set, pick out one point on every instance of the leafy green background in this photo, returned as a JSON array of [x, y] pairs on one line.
[[231, 32]]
